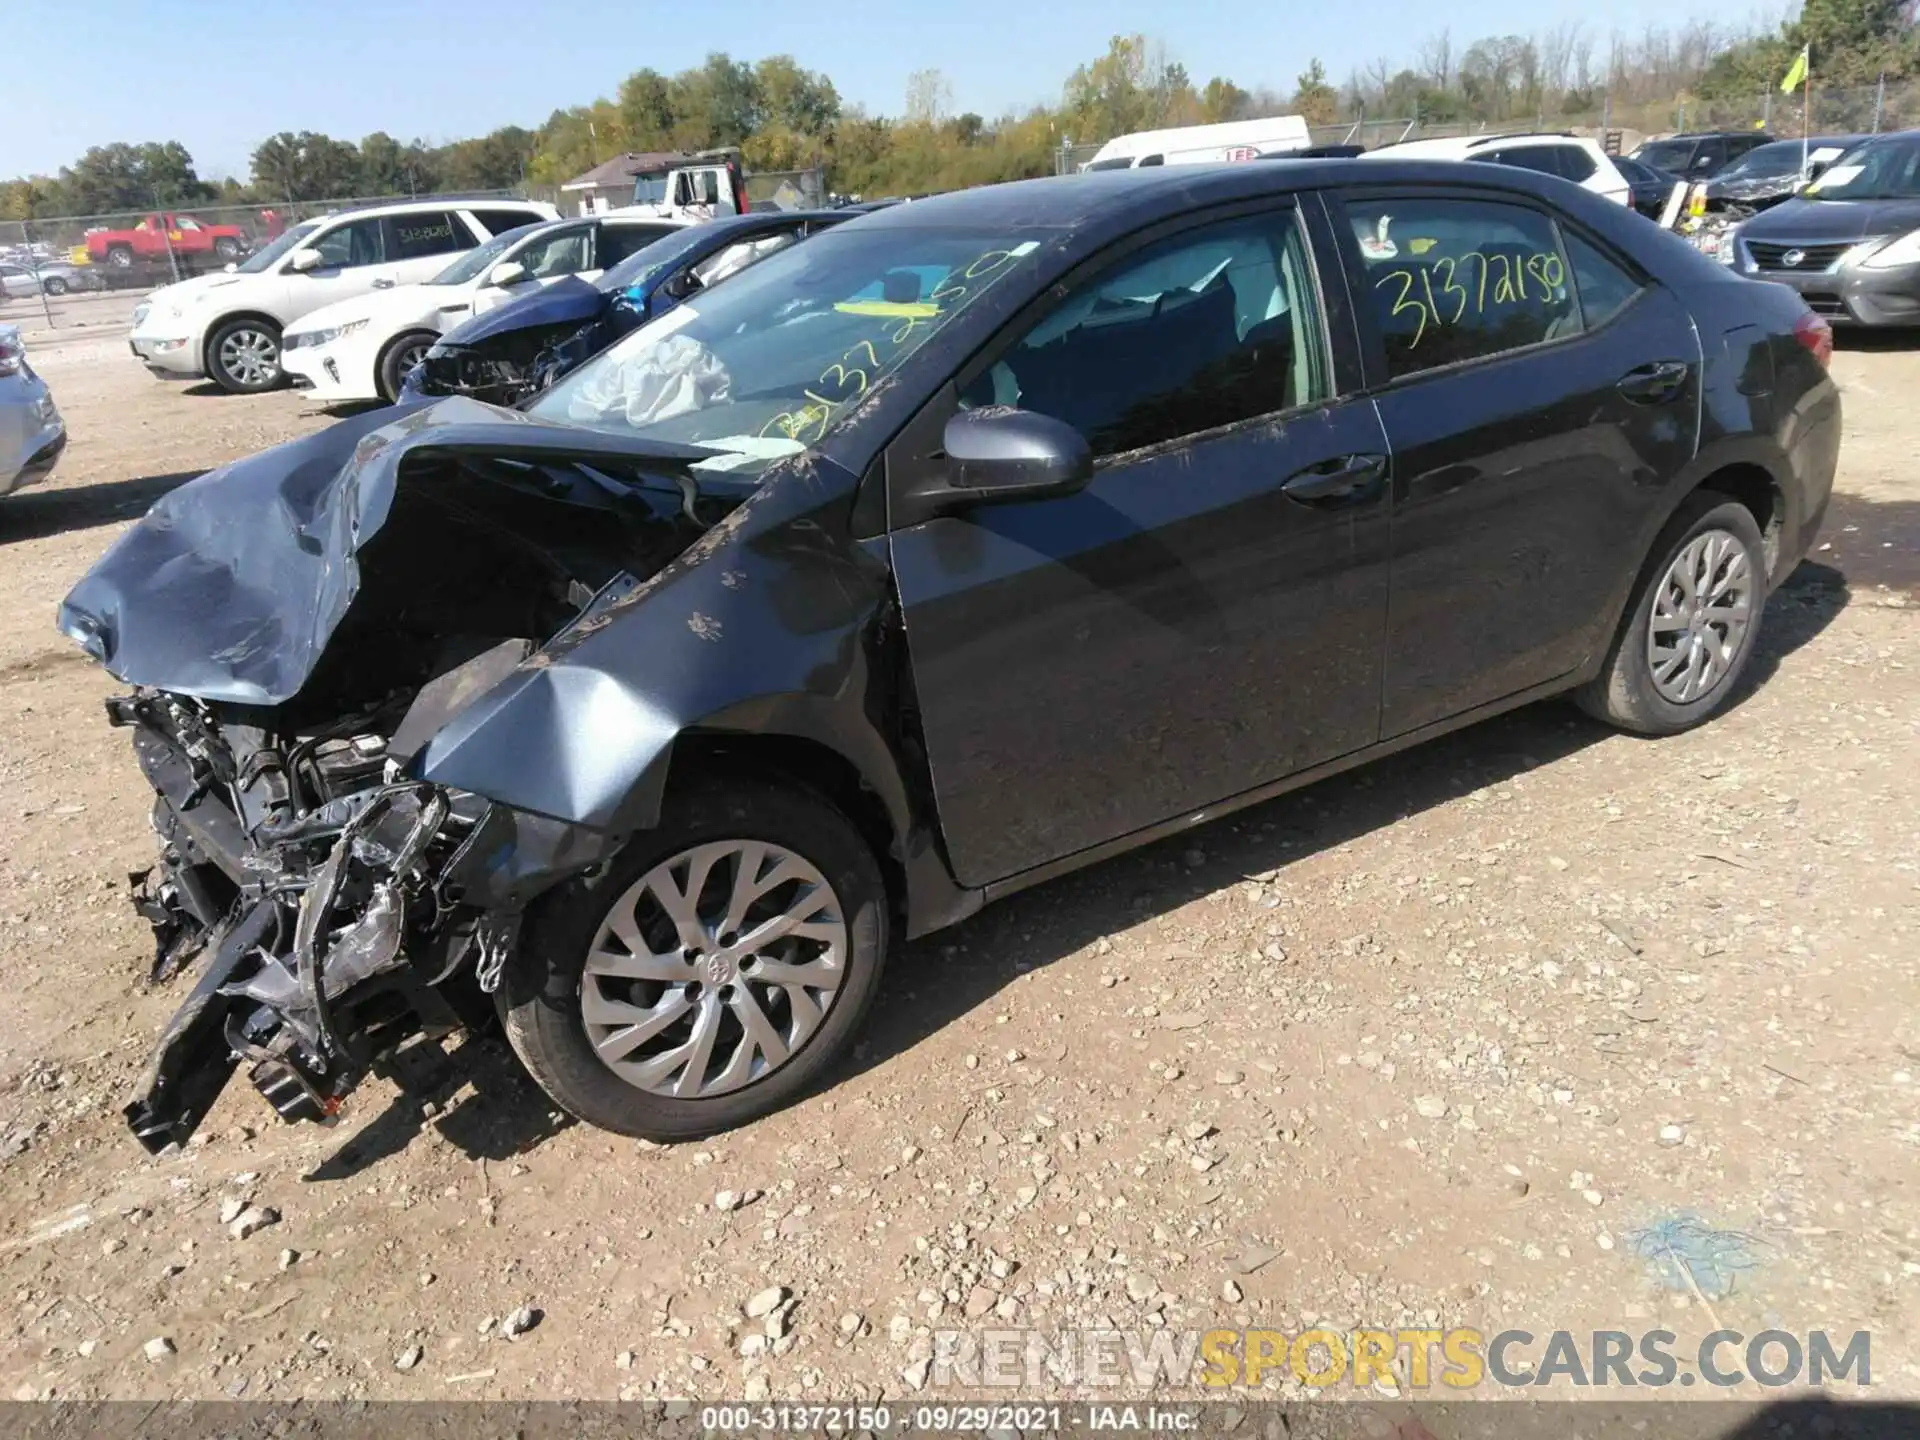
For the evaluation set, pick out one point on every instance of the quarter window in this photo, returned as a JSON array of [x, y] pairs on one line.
[[418, 236], [1605, 288], [1575, 163], [1456, 280], [1206, 328]]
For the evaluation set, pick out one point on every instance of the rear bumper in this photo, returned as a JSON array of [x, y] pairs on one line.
[[28, 457], [1857, 296]]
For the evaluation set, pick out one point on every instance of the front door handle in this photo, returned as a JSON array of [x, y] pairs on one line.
[[1347, 480], [384, 284], [1656, 383]]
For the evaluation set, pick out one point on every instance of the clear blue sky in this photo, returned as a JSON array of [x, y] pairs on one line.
[[220, 75]]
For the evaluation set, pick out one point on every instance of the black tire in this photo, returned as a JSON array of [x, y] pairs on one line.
[[541, 999], [229, 376], [54, 285], [226, 248], [1625, 693], [398, 358], [120, 257]]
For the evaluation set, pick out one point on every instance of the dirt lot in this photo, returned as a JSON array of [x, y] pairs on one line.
[[1540, 1027]]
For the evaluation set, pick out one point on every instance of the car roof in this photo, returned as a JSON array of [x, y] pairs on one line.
[[443, 202], [1108, 200], [1457, 145]]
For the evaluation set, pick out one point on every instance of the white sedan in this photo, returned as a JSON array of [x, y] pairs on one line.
[[361, 349]]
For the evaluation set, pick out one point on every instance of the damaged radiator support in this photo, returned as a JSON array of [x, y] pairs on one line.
[[308, 977]]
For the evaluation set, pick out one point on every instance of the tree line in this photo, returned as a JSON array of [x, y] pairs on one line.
[[784, 116]]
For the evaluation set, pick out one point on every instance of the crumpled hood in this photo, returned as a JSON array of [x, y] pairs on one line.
[[567, 301], [230, 587]]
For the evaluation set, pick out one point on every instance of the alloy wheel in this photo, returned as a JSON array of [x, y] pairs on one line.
[[1701, 614], [251, 357], [713, 969]]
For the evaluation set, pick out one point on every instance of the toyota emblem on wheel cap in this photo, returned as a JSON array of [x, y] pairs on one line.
[[1793, 257]]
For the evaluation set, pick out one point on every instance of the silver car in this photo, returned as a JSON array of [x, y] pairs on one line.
[[32, 434], [56, 277]]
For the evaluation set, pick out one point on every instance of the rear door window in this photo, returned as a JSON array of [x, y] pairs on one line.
[[423, 234], [1454, 280], [617, 242], [1544, 158], [499, 221]]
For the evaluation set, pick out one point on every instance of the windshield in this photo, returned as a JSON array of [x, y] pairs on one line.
[[768, 363], [1669, 155], [478, 261], [650, 190], [1768, 162], [1878, 170], [291, 240]]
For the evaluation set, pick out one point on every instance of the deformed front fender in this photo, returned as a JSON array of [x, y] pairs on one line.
[[767, 626]]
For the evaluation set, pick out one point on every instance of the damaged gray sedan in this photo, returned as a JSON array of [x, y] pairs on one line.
[[965, 544]]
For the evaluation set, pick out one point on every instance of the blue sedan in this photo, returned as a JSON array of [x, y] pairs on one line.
[[519, 349]]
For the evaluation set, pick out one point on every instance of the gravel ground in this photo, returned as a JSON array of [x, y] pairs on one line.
[[1466, 1038]]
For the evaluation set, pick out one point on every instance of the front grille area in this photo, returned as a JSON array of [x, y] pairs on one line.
[[1813, 258]]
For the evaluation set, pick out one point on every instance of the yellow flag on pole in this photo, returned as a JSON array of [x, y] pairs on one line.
[[1798, 73]]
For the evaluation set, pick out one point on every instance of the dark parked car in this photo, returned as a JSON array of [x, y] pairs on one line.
[[961, 546], [522, 347], [1699, 156], [1763, 177], [1850, 243], [1648, 189]]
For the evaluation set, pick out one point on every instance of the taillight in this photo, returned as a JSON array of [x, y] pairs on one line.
[[11, 354], [1816, 334]]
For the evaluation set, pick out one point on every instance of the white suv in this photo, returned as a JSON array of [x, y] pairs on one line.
[[227, 326], [362, 349], [1571, 157]]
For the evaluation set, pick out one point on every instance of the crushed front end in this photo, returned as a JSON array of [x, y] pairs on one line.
[[315, 888], [342, 874]]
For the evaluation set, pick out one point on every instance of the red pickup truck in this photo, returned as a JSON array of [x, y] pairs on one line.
[[155, 237]]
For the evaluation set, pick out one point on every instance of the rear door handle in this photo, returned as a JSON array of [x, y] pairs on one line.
[[1347, 480], [1652, 384]]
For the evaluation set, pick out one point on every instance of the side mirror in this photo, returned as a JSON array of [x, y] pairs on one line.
[[1815, 169], [230, 267], [508, 272], [302, 261], [1000, 453]]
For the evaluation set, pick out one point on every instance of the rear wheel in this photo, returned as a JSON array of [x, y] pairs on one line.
[[711, 974], [226, 248], [1692, 623], [243, 356], [398, 358], [54, 285], [120, 256]]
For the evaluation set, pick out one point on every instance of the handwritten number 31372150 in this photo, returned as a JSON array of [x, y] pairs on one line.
[[1446, 290]]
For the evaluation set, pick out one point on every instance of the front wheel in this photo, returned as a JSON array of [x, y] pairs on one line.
[[1691, 626], [400, 357], [243, 357], [54, 285], [226, 248], [711, 973]]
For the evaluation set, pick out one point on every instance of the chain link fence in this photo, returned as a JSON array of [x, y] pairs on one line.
[[1870, 110], [64, 270]]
